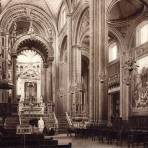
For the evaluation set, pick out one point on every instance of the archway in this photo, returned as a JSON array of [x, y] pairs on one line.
[[32, 77], [29, 67], [41, 48], [28, 85]]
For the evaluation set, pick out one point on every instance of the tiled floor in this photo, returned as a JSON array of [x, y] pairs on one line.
[[85, 143]]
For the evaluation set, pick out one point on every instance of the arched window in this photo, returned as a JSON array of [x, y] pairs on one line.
[[142, 33], [113, 52]]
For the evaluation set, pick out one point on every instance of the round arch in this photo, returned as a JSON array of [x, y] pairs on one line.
[[78, 15], [46, 50], [21, 10], [34, 49]]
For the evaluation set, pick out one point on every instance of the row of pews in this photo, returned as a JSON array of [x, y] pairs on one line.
[[119, 133], [29, 141]]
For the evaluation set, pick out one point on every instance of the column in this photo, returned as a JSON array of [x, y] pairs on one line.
[[6, 52], [14, 56], [44, 81], [69, 55], [109, 110], [49, 82], [97, 58], [125, 89], [50, 86], [126, 115]]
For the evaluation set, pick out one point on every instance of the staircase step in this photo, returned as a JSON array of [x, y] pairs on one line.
[[62, 123]]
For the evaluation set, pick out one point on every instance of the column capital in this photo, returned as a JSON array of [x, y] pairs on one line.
[[48, 63], [76, 46], [45, 65], [50, 40], [79, 47], [14, 55], [50, 59], [7, 33]]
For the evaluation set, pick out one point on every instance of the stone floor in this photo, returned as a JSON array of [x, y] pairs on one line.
[[86, 143]]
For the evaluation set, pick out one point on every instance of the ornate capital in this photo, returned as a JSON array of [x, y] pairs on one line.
[[76, 46], [6, 33], [50, 59], [45, 65], [14, 55]]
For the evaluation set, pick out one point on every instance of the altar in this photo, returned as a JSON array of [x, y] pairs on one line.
[[30, 109]]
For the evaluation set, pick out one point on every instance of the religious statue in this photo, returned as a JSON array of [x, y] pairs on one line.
[[41, 125]]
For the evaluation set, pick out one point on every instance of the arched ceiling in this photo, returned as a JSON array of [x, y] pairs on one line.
[[125, 9], [51, 6]]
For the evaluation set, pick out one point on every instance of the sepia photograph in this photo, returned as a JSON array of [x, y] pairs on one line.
[[73, 73]]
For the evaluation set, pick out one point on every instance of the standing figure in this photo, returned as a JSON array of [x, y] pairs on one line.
[[41, 125]]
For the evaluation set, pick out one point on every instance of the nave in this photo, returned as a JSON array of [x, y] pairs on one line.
[[76, 68]]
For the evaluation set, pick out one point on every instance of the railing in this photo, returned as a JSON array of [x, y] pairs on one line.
[[69, 120], [56, 120]]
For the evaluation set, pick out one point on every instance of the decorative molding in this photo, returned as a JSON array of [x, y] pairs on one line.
[[47, 53], [114, 81], [141, 50]]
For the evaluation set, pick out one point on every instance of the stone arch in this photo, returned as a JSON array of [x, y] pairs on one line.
[[83, 25], [119, 38], [63, 6], [110, 5], [34, 49], [82, 35], [39, 16], [121, 20], [78, 15], [132, 29], [45, 49], [63, 48]]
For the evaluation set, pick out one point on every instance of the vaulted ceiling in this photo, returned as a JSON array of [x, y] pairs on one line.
[[126, 9], [50, 6]]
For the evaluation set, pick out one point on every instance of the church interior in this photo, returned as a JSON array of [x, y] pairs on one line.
[[73, 73]]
